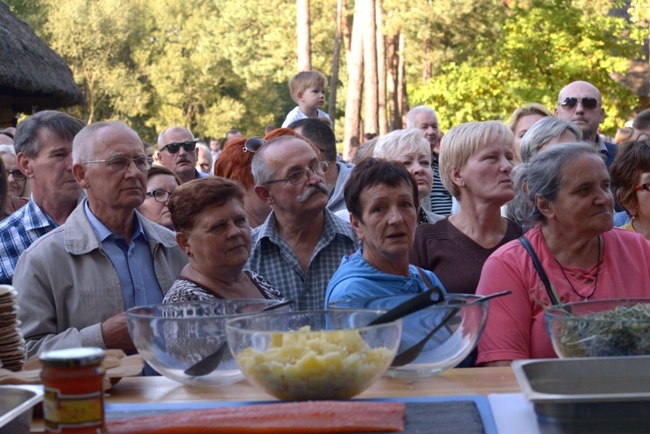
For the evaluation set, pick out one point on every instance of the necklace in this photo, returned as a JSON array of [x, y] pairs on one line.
[[595, 277]]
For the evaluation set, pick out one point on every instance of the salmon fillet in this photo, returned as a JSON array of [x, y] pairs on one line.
[[282, 418]]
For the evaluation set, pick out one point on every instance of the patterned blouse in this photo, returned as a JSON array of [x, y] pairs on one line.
[[185, 289]]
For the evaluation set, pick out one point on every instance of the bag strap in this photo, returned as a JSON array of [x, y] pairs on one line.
[[425, 278], [540, 270]]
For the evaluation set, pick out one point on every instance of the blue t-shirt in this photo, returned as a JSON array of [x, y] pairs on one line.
[[356, 278]]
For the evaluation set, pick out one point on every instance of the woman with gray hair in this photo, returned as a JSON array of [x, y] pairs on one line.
[[475, 165], [577, 249], [546, 132], [410, 148]]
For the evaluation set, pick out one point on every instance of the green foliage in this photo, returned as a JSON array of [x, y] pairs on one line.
[[212, 65], [538, 50]]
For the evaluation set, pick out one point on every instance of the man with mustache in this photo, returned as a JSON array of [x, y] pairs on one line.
[[75, 283], [321, 135], [580, 102], [177, 151], [301, 243], [43, 144]]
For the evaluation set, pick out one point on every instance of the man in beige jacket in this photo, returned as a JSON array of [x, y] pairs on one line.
[[75, 283]]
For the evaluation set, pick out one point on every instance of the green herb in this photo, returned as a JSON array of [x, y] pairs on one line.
[[622, 331]]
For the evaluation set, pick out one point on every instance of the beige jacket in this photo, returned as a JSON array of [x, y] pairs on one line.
[[67, 285]]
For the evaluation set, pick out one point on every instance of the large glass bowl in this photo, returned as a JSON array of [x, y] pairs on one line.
[[173, 337], [313, 355], [600, 328], [464, 316]]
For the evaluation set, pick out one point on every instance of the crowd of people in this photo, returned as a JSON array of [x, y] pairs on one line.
[[95, 221]]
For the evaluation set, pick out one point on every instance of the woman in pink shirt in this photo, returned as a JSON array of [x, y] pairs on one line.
[[579, 249]]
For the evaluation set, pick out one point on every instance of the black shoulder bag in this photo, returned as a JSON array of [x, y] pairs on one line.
[[540, 270]]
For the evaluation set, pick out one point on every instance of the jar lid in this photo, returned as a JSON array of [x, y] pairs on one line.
[[73, 357]]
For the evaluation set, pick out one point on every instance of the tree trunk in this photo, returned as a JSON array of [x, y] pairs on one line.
[[303, 29], [371, 122], [355, 77], [381, 70], [345, 30], [334, 79], [401, 81], [392, 63]]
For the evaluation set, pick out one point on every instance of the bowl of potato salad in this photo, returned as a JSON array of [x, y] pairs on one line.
[[313, 355]]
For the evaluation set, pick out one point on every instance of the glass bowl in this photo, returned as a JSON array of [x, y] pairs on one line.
[[313, 355], [173, 337], [465, 317], [600, 328]]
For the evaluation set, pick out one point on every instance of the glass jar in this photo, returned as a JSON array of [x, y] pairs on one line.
[[73, 385]]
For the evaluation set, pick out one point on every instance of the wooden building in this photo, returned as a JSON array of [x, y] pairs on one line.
[[32, 76]]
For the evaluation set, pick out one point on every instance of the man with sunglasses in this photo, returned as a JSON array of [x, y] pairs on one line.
[[300, 245], [43, 144], [177, 152], [580, 102], [76, 282]]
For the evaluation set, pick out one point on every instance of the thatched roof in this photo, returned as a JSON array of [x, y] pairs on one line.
[[32, 76]]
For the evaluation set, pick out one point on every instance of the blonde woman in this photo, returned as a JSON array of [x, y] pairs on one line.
[[475, 165]]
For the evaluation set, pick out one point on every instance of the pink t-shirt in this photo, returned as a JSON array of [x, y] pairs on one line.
[[515, 326]]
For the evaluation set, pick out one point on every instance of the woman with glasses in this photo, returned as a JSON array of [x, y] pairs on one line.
[[161, 183], [17, 183], [212, 229], [631, 180]]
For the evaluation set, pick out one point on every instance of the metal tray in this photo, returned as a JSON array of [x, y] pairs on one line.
[[599, 394], [16, 404]]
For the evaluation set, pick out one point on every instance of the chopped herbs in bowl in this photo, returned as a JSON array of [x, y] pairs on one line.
[[600, 328]]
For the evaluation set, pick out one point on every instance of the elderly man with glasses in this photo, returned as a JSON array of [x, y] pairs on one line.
[[75, 283], [300, 245], [177, 151], [580, 102]]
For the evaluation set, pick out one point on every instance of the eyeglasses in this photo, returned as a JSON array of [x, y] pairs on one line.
[[253, 144], [123, 163], [588, 103], [173, 148], [159, 195], [300, 176], [17, 174], [645, 187]]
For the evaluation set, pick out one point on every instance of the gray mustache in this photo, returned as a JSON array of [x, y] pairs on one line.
[[321, 187]]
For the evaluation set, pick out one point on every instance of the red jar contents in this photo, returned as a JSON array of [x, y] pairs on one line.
[[74, 398]]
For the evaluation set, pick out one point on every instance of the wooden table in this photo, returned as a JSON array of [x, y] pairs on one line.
[[454, 382]]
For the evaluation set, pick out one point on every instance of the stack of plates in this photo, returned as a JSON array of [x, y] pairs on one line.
[[12, 344]]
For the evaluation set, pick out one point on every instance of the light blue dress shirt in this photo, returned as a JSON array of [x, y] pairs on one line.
[[133, 262]]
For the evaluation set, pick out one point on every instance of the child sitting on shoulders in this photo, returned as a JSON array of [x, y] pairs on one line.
[[308, 90]]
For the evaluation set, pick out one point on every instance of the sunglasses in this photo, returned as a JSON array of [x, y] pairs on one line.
[[253, 144], [588, 103], [173, 148], [645, 187]]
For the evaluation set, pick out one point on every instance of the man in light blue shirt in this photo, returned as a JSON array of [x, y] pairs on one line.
[[75, 283]]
